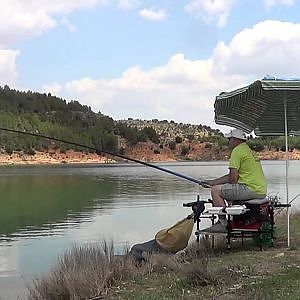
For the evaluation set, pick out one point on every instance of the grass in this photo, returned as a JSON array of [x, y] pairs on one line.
[[282, 286], [199, 272]]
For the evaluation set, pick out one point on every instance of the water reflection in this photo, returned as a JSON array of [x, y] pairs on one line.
[[39, 205]]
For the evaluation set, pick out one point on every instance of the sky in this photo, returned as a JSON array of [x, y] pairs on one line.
[[147, 59]]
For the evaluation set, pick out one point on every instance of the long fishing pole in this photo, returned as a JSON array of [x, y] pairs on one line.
[[98, 151]]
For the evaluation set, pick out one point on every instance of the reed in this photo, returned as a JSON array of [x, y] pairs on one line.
[[85, 272], [90, 271], [192, 265]]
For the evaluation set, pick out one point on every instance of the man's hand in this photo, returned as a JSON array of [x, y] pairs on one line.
[[206, 184]]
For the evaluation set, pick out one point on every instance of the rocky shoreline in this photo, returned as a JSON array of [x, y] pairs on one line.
[[53, 158], [144, 154]]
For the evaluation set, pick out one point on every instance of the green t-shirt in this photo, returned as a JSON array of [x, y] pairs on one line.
[[250, 171]]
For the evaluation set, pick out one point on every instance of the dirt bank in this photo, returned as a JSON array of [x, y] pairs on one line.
[[145, 152], [53, 157], [197, 152]]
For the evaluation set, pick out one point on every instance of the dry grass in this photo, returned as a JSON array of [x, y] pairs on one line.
[[198, 272], [93, 271], [86, 272], [190, 265]]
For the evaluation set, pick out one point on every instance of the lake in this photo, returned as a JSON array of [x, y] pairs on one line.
[[45, 210]]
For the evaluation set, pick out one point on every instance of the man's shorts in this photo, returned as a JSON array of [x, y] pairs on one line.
[[238, 191]]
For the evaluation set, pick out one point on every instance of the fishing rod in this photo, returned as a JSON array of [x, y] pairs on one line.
[[105, 152]]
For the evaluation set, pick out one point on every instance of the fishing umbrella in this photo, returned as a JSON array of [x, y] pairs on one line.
[[269, 107]]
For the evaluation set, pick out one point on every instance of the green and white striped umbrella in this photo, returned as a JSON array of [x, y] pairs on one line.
[[262, 107]]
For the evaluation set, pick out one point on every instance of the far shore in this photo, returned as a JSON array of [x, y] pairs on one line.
[[53, 158], [76, 157]]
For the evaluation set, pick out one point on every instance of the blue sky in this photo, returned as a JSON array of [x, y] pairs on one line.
[[147, 59]]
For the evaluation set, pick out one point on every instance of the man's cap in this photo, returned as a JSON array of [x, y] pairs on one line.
[[236, 133]]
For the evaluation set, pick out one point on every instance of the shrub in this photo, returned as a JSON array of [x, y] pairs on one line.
[[184, 150], [152, 135], [191, 137], [30, 151], [172, 145], [86, 272], [256, 144], [9, 150], [297, 145], [178, 139], [122, 151]]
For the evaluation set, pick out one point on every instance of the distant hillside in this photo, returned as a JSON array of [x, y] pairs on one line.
[[144, 139], [45, 114], [53, 116], [168, 131], [168, 140]]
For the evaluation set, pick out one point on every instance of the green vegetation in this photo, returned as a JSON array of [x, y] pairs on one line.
[[178, 139], [282, 286], [41, 113], [172, 145], [274, 143], [133, 135], [185, 150], [52, 116]]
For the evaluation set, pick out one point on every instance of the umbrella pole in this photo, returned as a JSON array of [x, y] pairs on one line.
[[286, 168]]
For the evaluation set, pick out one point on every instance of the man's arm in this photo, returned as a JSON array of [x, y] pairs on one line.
[[231, 177]]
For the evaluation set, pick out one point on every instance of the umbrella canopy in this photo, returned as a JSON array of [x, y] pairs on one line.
[[261, 107]]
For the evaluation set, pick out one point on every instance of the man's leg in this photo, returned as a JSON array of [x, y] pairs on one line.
[[216, 195], [237, 192], [218, 200]]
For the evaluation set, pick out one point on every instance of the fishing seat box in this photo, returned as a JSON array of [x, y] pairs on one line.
[[257, 222], [258, 211]]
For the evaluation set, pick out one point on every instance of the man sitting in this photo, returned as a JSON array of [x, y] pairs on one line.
[[244, 181]]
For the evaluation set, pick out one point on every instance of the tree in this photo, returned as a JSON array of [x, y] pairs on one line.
[[178, 139], [152, 135], [172, 145], [184, 150]]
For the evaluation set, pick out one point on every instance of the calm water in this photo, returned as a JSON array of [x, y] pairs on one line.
[[44, 210]]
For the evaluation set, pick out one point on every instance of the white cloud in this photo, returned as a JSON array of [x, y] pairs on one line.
[[21, 19], [184, 90], [270, 3], [53, 88], [68, 24], [211, 10], [270, 47], [153, 14], [8, 71], [128, 4]]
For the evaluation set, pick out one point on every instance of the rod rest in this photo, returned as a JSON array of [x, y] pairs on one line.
[[282, 205], [189, 204], [257, 201], [198, 208]]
